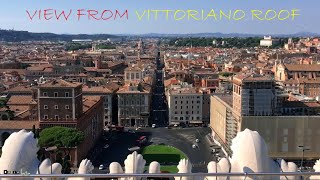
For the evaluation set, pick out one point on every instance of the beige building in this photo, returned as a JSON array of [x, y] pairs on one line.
[[283, 134], [134, 104], [107, 95], [134, 74], [254, 95], [185, 104], [284, 72]]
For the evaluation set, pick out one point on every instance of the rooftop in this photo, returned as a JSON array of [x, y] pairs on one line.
[[59, 83]]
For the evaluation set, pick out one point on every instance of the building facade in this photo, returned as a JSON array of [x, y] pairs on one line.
[[184, 104], [134, 102]]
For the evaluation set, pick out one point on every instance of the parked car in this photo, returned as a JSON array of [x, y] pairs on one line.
[[194, 146], [101, 167], [197, 140], [154, 126]]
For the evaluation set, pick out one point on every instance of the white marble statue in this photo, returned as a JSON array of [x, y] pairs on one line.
[[154, 168], [316, 168], [19, 154], [250, 154], [184, 166], [134, 164], [223, 166]]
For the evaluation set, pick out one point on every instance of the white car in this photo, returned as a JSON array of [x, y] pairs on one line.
[[101, 167], [194, 146], [154, 126], [197, 140]]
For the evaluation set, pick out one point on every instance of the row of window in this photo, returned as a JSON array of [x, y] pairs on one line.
[[56, 94], [56, 107], [56, 117], [187, 102], [187, 107], [187, 97], [132, 75], [187, 112], [133, 102], [186, 118]]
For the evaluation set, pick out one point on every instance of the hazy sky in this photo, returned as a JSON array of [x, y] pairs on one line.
[[13, 15]]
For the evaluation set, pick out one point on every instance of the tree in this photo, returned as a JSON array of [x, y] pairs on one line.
[[60, 137]]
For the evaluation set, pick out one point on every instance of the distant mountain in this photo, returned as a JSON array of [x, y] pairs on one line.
[[222, 35], [17, 36]]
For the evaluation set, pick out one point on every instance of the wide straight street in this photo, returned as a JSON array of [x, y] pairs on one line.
[[182, 139]]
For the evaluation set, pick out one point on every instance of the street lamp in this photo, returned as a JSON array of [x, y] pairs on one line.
[[51, 149], [303, 149]]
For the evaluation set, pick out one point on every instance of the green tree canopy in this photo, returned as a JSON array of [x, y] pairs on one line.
[[60, 137]]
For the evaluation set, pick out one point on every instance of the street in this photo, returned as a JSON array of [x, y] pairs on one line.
[[159, 103], [182, 139]]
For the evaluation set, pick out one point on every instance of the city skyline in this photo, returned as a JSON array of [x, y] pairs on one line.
[[13, 17]]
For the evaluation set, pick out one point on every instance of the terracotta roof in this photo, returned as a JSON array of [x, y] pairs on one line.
[[170, 81], [60, 83], [90, 69], [94, 89], [309, 81], [18, 108], [20, 89], [89, 101], [19, 100], [18, 124], [303, 67], [19, 71], [135, 68], [146, 88]]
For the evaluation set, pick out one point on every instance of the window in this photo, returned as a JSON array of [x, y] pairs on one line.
[[181, 118], [56, 107], [45, 116], [55, 94], [45, 94], [67, 107], [67, 94], [45, 107], [56, 117], [67, 116]]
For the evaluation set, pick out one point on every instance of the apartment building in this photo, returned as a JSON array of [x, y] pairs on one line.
[[134, 100], [108, 95], [254, 95], [185, 104], [284, 125], [61, 103]]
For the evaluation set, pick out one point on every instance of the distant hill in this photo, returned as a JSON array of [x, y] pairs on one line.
[[17, 36], [223, 35]]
